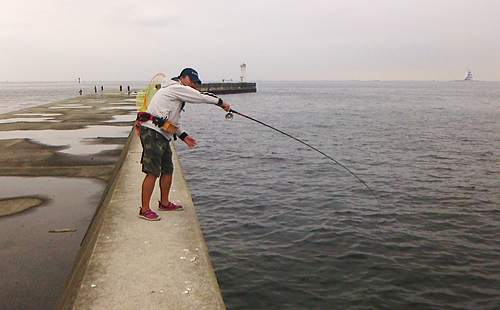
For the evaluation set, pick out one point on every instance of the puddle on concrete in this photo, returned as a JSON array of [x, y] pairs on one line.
[[72, 106], [91, 149], [122, 118], [124, 102], [78, 142], [29, 120], [36, 263], [39, 114], [119, 108]]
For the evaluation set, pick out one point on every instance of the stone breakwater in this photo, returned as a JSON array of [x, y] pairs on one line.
[[129, 263], [70, 182], [56, 161], [78, 137], [229, 88]]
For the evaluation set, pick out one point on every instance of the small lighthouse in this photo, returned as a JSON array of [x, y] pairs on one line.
[[231, 87], [243, 67]]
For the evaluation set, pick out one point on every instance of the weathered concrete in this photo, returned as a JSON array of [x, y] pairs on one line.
[[26, 157], [137, 264], [15, 205], [124, 262], [56, 160]]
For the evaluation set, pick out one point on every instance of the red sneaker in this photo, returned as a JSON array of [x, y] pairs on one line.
[[149, 215], [169, 207]]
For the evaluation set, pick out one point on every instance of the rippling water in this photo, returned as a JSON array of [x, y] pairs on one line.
[[289, 229]]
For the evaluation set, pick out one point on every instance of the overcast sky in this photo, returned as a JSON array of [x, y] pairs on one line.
[[131, 40]]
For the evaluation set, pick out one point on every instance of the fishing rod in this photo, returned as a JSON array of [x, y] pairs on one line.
[[229, 116]]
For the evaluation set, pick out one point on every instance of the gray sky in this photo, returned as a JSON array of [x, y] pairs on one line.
[[104, 40]]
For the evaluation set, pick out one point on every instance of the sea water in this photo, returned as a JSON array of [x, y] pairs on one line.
[[288, 228]]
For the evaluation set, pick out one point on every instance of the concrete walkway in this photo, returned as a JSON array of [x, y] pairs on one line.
[[131, 263]]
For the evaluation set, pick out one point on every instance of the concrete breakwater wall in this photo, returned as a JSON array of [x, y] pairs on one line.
[[229, 88], [128, 263], [61, 162], [56, 160]]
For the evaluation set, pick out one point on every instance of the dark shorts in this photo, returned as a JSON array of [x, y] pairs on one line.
[[156, 152]]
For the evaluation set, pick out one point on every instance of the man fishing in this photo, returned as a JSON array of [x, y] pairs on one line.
[[158, 126]]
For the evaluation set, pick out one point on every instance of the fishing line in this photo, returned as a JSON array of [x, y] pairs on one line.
[[229, 116]]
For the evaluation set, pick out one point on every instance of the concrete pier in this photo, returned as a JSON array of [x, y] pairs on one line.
[[229, 88], [130, 263], [122, 262]]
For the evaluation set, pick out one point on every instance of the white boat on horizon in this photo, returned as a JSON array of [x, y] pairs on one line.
[[469, 76]]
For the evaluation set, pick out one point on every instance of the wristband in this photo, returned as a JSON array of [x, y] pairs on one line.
[[220, 102], [183, 136]]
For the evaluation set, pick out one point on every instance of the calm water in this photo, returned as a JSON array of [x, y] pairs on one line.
[[289, 229]]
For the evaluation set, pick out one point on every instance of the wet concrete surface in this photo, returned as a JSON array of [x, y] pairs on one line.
[[55, 163], [81, 137], [36, 262]]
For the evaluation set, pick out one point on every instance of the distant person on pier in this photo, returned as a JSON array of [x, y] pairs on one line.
[[158, 126]]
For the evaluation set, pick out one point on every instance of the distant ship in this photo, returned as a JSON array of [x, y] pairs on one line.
[[469, 76]]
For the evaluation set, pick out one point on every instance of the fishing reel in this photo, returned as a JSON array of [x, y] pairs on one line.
[[229, 116]]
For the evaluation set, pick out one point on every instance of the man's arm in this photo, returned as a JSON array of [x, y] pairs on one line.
[[191, 95]]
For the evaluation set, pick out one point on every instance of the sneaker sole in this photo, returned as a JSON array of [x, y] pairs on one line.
[[178, 209], [148, 219], [162, 207]]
